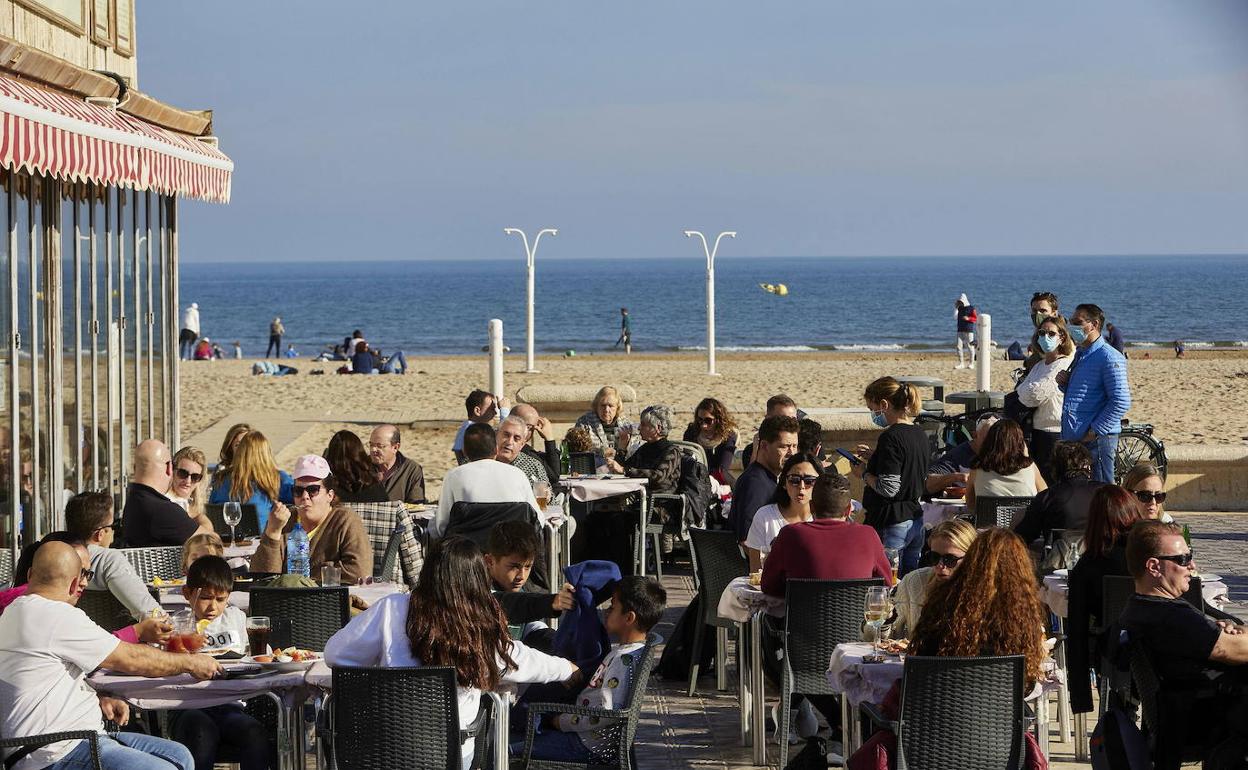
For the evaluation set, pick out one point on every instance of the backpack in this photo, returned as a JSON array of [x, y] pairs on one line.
[[1117, 744], [695, 486]]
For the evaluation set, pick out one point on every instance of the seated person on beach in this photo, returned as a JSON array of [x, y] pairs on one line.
[[482, 408], [368, 360], [777, 442], [509, 556], [403, 477], [222, 733], [637, 605], [203, 350], [949, 541], [481, 480], [952, 467], [336, 535], [539, 426], [512, 434], [89, 517], [150, 518], [777, 405], [203, 544]]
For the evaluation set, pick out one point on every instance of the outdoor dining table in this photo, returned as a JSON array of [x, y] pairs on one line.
[[171, 598], [587, 489], [746, 605], [937, 510]]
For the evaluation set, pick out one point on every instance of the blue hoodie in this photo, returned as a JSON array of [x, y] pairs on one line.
[[1097, 396], [581, 637]]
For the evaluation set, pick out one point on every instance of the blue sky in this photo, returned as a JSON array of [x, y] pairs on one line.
[[420, 130]]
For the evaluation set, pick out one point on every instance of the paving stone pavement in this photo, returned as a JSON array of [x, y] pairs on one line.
[[701, 732]]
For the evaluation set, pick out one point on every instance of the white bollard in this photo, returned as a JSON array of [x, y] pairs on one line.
[[496, 357], [983, 341]]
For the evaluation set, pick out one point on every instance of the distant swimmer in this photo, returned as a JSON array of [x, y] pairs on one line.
[[965, 312], [626, 331]]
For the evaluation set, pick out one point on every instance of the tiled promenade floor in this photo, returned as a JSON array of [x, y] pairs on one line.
[[701, 732]]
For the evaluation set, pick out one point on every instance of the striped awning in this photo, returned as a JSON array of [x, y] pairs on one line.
[[68, 138]]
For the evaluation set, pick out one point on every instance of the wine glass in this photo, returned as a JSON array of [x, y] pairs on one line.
[[233, 513], [875, 611]]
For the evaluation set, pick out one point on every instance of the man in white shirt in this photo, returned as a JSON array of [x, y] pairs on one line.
[[47, 648], [481, 480], [189, 334]]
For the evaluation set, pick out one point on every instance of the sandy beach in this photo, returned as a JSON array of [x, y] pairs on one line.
[[1197, 400]]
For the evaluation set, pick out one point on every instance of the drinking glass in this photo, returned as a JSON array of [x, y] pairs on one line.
[[330, 576], [541, 491], [894, 561], [258, 629], [233, 513], [875, 611]]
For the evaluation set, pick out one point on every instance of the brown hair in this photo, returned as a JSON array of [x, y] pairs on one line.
[[1110, 515], [1144, 543], [87, 512], [253, 469], [830, 496], [1004, 450], [578, 440], [724, 424], [903, 398], [225, 457], [349, 462], [1138, 473], [989, 606], [1065, 346]]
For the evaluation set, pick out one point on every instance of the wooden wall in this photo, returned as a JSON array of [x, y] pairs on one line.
[[30, 28]]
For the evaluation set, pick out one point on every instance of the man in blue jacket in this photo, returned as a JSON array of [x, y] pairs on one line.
[[1097, 394]]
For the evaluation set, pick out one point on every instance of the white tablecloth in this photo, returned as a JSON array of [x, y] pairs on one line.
[[1055, 593], [185, 692], [862, 682], [936, 511], [173, 600], [584, 490], [740, 600]]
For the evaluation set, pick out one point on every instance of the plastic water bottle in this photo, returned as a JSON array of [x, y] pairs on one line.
[[298, 561]]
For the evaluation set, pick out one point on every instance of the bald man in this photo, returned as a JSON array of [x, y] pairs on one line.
[[47, 648], [539, 426], [149, 518], [403, 479]]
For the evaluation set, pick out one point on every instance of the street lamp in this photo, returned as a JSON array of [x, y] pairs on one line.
[[530, 254], [710, 294]]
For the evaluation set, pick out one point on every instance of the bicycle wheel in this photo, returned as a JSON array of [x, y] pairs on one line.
[[1134, 447]]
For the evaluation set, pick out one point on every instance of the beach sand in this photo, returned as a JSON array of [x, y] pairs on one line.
[[1197, 400]]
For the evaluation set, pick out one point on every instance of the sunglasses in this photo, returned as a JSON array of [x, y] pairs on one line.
[[311, 490], [706, 421], [88, 575], [1182, 559], [1148, 497], [794, 480], [184, 474], [946, 560]]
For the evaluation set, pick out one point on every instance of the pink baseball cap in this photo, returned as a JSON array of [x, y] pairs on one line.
[[311, 465]]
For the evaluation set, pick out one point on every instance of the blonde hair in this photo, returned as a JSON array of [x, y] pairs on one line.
[[199, 495], [958, 532], [225, 455], [253, 469], [903, 398], [608, 392], [206, 542]]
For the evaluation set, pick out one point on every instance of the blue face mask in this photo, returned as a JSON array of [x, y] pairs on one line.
[[879, 419], [1047, 344], [1077, 334]]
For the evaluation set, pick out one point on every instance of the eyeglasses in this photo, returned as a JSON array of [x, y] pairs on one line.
[[311, 490], [371, 445], [706, 420], [87, 575], [794, 480], [946, 560], [1181, 559], [1148, 497], [184, 474], [107, 526]]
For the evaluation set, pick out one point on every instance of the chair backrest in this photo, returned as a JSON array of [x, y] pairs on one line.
[[717, 559], [248, 526], [315, 614], [163, 561], [619, 736], [388, 567], [384, 517], [693, 448], [6, 566], [819, 615], [395, 717], [104, 610], [961, 712], [999, 511], [583, 463]]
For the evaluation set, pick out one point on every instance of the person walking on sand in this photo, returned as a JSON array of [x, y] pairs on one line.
[[276, 330], [189, 334], [965, 313], [626, 331]]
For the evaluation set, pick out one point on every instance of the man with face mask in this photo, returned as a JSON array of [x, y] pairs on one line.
[[1043, 305], [1097, 394]]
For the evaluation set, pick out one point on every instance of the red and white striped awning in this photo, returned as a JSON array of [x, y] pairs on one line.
[[68, 138]]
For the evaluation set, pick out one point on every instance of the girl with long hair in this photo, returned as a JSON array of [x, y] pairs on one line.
[[225, 455], [949, 542], [1149, 487], [789, 505], [253, 478], [190, 480], [353, 469], [715, 430], [1001, 467], [452, 620]]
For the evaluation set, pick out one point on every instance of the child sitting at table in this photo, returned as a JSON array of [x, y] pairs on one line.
[[201, 544], [221, 733], [636, 606], [509, 555]]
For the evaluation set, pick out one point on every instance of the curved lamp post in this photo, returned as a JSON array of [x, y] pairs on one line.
[[710, 293], [530, 254]]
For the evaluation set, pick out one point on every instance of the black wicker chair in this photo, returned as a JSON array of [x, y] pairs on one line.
[[1167, 709], [819, 615], [164, 562], [248, 526], [717, 559], [1116, 591], [36, 741], [959, 712], [620, 726], [999, 511], [315, 614], [104, 610], [6, 567]]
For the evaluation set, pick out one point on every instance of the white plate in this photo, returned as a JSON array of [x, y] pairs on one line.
[[289, 666], [949, 501], [1061, 572]]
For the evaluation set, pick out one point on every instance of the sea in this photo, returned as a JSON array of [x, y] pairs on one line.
[[832, 303]]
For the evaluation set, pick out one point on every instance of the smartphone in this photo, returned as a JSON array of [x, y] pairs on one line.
[[853, 459]]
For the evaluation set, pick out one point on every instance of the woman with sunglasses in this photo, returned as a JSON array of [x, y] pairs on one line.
[[715, 431], [948, 543], [1146, 483], [789, 505], [190, 480], [1039, 389], [335, 533]]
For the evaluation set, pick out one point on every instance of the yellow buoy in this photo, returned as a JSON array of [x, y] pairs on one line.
[[781, 289]]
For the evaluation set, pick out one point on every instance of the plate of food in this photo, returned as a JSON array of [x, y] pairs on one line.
[[286, 659], [894, 646], [167, 583]]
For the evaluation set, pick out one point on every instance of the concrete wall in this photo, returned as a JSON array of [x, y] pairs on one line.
[[1207, 478]]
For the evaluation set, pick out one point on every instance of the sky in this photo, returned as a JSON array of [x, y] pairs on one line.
[[403, 130]]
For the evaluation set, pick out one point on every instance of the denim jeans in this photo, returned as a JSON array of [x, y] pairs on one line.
[[129, 751], [555, 746], [1103, 449], [396, 364], [907, 538], [223, 733]]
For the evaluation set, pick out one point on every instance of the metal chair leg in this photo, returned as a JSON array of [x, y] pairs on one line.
[[721, 658], [696, 657]]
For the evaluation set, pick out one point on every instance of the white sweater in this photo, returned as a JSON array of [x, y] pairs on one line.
[[378, 637], [482, 481], [1040, 392]]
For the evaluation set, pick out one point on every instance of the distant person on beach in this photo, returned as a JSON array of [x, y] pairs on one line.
[[1180, 350], [626, 331], [351, 342], [966, 316], [1097, 392], [203, 350], [291, 352], [276, 330], [482, 408], [238, 350], [1114, 337], [189, 333]]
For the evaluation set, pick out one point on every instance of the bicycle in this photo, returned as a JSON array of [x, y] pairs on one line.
[[947, 431], [1136, 444]]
